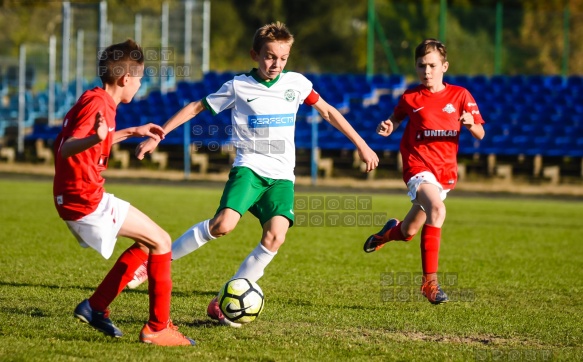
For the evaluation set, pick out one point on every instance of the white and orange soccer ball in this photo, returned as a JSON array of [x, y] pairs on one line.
[[241, 300]]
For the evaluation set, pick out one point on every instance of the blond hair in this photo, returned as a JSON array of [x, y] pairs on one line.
[[272, 32]]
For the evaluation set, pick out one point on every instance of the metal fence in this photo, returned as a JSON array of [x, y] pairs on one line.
[[42, 79]]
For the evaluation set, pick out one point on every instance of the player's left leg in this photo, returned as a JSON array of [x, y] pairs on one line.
[[242, 190], [150, 236], [397, 230], [274, 209], [253, 266], [274, 232], [275, 212]]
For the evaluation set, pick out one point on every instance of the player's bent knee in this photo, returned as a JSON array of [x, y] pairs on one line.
[[408, 233], [161, 242], [166, 239], [408, 237], [437, 214], [272, 241], [222, 228]]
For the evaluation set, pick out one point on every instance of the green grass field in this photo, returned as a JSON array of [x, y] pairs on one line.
[[512, 266]]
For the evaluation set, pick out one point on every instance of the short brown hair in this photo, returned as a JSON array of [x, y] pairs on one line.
[[271, 32], [429, 45], [119, 59]]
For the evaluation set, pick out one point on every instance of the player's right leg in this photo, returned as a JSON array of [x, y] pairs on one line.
[[223, 223], [241, 191], [198, 235], [430, 197]]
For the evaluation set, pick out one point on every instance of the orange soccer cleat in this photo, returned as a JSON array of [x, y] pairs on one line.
[[432, 291], [169, 336]]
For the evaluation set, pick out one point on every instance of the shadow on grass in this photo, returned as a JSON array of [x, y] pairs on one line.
[[142, 290]]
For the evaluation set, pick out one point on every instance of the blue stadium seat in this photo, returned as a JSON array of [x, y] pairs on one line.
[[496, 144], [576, 148], [478, 84], [555, 83], [44, 132], [519, 144], [498, 83], [468, 145], [575, 81], [381, 81], [534, 83], [517, 82], [562, 146], [395, 82], [461, 80]]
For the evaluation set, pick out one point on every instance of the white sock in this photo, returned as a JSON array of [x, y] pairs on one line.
[[194, 238], [253, 266]]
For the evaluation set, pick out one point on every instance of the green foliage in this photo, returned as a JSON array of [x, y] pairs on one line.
[[331, 36], [516, 264]]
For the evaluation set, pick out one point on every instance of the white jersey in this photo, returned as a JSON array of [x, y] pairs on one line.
[[263, 117]]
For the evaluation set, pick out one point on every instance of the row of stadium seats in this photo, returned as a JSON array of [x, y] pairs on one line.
[[537, 115]]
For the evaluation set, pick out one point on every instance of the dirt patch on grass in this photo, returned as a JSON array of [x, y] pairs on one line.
[[483, 339]]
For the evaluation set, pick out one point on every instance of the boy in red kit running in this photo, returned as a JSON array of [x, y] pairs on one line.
[[429, 146], [97, 218]]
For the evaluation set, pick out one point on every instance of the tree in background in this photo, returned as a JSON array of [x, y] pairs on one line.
[[332, 35]]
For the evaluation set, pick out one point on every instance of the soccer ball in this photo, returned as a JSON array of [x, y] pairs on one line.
[[241, 300]]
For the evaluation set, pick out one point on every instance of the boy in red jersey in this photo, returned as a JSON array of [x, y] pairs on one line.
[[429, 146], [97, 218]]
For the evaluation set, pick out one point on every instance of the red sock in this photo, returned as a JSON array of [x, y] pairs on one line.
[[159, 289], [430, 238], [117, 278], [395, 233]]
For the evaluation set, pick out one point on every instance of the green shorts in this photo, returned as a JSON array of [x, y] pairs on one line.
[[262, 196]]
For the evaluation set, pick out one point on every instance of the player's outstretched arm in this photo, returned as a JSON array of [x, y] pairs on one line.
[[187, 112], [150, 130], [336, 119]]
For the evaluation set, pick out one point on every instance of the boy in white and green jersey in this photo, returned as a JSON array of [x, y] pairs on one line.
[[263, 104], [263, 118]]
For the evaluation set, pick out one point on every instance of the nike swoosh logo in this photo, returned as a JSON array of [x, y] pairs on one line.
[[111, 129], [251, 99], [231, 310], [417, 110]]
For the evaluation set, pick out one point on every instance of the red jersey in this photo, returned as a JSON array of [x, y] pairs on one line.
[[78, 184], [431, 138]]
